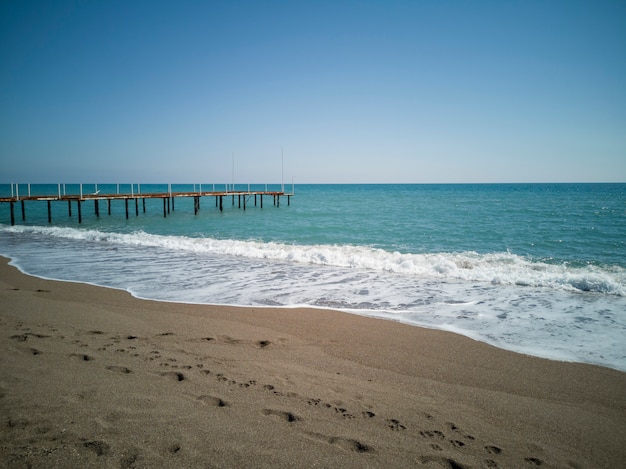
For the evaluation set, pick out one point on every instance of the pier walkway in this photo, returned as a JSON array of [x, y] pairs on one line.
[[168, 199]]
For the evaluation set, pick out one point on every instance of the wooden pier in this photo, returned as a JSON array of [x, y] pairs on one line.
[[168, 200]]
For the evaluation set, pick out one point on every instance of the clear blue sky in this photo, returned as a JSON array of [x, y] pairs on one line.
[[386, 91]]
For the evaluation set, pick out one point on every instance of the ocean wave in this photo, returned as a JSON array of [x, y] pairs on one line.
[[503, 268]]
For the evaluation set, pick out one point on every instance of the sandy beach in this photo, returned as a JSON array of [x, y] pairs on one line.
[[92, 377]]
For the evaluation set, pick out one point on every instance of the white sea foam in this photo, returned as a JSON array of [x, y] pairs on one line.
[[497, 268]]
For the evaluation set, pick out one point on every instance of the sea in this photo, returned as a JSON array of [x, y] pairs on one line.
[[533, 268]]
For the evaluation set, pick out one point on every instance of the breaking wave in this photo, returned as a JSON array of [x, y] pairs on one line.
[[500, 268]]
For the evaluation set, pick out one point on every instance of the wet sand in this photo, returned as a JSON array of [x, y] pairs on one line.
[[92, 377]]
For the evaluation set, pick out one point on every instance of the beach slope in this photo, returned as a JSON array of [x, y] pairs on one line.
[[92, 377]]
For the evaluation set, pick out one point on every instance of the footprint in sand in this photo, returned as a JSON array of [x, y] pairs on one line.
[[493, 449], [212, 401], [395, 425], [286, 416], [119, 369], [175, 375], [81, 356], [99, 447], [347, 444]]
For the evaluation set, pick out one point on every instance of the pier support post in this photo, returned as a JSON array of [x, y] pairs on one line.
[[244, 203], [221, 205], [144, 204], [168, 204], [96, 207], [80, 213], [12, 213], [136, 207], [239, 201], [23, 210], [109, 206], [195, 205], [233, 200], [126, 204], [255, 200], [49, 213], [69, 208], [288, 200], [278, 200], [164, 210], [261, 200]]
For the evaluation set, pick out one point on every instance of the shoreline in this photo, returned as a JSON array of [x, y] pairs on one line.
[[566, 356], [94, 377]]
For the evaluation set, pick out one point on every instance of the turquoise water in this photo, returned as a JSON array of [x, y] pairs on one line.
[[536, 268]]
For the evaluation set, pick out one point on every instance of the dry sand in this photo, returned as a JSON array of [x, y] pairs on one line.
[[91, 377]]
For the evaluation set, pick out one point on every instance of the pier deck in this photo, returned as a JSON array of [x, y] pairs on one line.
[[167, 197]]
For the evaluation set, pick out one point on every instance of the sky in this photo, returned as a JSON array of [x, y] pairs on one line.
[[315, 92]]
